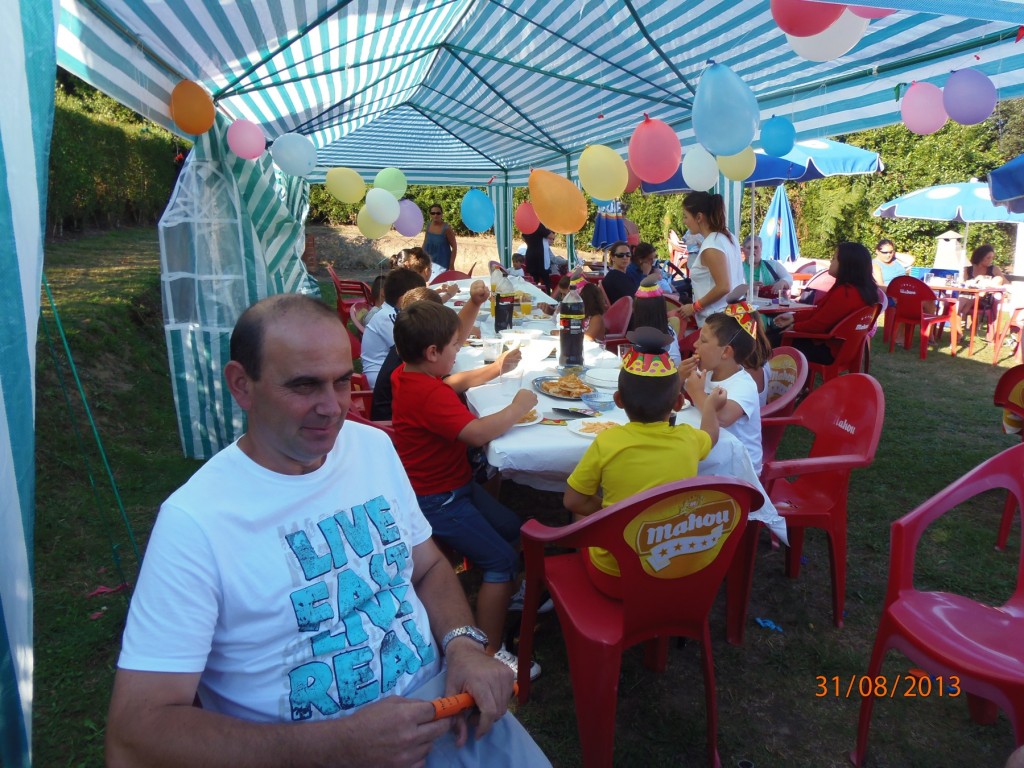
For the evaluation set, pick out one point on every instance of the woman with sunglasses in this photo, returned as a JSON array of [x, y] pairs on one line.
[[616, 282], [439, 239]]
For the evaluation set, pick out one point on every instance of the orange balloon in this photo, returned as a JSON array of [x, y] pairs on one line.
[[191, 108], [558, 203]]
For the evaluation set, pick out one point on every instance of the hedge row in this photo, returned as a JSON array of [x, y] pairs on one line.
[[105, 173]]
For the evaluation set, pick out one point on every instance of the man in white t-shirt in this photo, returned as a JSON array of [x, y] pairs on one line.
[[291, 588]]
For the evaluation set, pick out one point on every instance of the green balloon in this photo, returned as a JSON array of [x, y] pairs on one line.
[[391, 179]]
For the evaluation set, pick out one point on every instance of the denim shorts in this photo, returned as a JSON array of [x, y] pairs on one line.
[[474, 523]]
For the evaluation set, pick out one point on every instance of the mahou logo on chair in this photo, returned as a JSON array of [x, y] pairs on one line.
[[684, 534]]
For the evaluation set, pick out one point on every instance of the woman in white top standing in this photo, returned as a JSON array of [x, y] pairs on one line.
[[718, 267]]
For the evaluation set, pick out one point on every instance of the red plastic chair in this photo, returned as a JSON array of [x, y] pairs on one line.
[[1009, 395], [356, 313], [349, 292], [948, 634], [848, 342], [665, 595], [677, 253], [616, 323], [820, 281], [449, 274], [845, 416], [362, 395], [496, 265], [913, 302]]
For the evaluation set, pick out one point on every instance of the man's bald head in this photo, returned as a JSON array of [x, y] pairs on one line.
[[247, 336]]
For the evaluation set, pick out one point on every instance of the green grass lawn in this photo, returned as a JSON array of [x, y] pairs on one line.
[[939, 423]]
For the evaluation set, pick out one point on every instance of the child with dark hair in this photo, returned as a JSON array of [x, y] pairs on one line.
[[651, 310], [377, 292], [433, 428], [378, 335], [730, 342], [594, 306], [646, 452]]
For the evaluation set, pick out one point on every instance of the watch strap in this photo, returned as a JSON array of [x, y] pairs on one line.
[[473, 633]]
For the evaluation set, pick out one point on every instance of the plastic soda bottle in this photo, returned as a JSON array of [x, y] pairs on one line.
[[570, 339]]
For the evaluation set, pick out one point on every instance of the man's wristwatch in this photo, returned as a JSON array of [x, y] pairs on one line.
[[467, 631]]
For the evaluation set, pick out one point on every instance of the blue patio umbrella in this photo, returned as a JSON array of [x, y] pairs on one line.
[[1006, 185], [608, 225], [968, 201], [778, 232], [808, 160]]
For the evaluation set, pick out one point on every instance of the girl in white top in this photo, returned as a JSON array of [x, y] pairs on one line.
[[718, 267], [729, 342]]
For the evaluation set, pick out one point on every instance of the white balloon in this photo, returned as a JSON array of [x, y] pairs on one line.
[[382, 206], [700, 170], [838, 39], [294, 154]]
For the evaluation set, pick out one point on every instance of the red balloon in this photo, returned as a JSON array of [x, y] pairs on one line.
[[526, 219], [634, 180], [803, 18], [654, 151]]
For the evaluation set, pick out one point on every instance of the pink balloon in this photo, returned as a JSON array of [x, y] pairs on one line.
[[922, 109], [526, 218], [654, 151], [803, 18], [410, 218], [246, 139], [867, 12], [969, 96], [634, 180]]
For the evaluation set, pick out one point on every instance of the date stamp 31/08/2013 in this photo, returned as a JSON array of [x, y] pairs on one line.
[[908, 686]]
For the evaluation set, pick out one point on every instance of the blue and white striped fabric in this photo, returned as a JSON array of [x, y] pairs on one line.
[[27, 59], [458, 91]]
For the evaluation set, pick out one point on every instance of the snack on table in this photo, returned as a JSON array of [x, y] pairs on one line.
[[566, 386], [526, 418], [596, 427]]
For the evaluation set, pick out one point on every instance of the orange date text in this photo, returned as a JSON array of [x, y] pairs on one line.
[[886, 686]]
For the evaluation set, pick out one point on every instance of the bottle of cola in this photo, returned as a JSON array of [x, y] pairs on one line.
[[570, 339]]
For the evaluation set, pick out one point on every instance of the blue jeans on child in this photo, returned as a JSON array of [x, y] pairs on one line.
[[478, 526]]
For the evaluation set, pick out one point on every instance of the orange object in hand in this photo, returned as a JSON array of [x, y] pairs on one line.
[[449, 706]]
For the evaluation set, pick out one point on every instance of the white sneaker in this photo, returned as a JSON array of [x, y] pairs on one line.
[[512, 661], [516, 602]]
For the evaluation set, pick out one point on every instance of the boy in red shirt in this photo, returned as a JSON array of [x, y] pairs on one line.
[[433, 429]]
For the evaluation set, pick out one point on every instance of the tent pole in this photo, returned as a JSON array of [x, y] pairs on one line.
[[750, 267]]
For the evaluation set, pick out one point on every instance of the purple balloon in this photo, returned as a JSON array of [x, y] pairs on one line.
[[922, 109], [410, 218], [969, 96]]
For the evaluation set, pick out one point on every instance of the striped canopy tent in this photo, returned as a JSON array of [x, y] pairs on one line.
[[451, 91]]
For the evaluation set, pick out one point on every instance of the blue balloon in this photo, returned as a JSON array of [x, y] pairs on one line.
[[725, 112], [777, 136], [477, 211]]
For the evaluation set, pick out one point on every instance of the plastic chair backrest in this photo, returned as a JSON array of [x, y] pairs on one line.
[[909, 294], [616, 317], [496, 265], [384, 426], [787, 377], [845, 416], [820, 281], [449, 274], [641, 532], [356, 313], [1001, 471], [853, 331]]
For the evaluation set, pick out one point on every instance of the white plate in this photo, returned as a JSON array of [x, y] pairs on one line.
[[576, 426], [603, 378], [536, 420]]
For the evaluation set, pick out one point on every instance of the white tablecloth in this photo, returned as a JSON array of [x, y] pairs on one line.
[[543, 455]]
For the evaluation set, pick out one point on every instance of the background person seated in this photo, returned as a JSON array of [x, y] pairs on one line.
[[886, 265]]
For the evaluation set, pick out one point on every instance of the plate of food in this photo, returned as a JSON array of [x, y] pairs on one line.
[[532, 416], [568, 387], [590, 428]]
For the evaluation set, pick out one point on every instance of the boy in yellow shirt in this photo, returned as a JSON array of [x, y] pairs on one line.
[[646, 452]]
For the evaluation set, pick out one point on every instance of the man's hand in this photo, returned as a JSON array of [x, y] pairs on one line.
[[507, 361], [471, 669], [409, 734], [479, 292]]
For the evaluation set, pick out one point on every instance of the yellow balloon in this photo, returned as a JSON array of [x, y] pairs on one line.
[[603, 173], [345, 184], [558, 202], [739, 166], [370, 227]]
